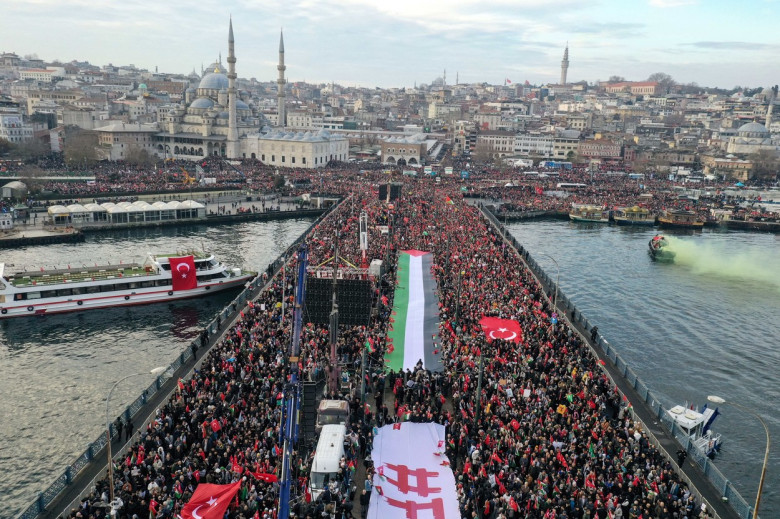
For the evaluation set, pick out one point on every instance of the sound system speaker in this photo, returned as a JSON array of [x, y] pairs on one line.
[[353, 296], [382, 192], [395, 191]]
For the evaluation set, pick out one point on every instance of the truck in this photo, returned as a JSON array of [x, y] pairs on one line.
[[327, 457], [332, 412]]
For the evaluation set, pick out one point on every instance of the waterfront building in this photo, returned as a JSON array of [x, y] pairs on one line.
[[403, 151]]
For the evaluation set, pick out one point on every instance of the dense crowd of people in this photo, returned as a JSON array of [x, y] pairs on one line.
[[548, 437]]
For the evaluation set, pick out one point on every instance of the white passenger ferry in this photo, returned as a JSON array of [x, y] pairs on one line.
[[74, 288]]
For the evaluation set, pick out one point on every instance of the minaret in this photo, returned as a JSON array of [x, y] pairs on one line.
[[444, 78], [280, 83], [232, 137], [565, 64], [772, 97], [456, 78]]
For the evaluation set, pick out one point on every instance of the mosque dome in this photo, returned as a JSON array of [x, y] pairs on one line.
[[214, 80], [753, 129], [142, 86], [240, 105], [202, 102]]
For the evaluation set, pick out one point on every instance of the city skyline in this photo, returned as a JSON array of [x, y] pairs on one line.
[[403, 43]]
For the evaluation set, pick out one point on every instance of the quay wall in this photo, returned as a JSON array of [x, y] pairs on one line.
[[13, 242], [80, 477], [702, 476]]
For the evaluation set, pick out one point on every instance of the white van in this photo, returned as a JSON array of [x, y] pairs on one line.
[[327, 456]]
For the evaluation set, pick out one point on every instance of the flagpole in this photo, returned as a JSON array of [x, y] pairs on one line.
[[478, 403]]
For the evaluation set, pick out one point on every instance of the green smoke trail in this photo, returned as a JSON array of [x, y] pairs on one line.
[[734, 262]]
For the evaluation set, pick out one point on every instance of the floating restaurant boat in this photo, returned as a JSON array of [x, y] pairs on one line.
[[160, 278], [680, 219], [696, 426], [588, 213], [659, 249], [634, 216]]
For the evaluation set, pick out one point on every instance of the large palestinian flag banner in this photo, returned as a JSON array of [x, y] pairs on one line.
[[414, 323], [413, 477]]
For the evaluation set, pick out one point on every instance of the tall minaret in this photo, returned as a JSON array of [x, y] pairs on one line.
[[280, 83], [565, 64], [232, 137], [444, 78], [772, 97]]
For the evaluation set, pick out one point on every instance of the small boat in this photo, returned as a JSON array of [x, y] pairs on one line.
[[160, 278], [659, 249], [680, 219], [696, 426], [634, 216], [588, 213]]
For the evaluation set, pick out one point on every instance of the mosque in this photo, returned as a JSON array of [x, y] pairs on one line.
[[215, 119], [753, 137]]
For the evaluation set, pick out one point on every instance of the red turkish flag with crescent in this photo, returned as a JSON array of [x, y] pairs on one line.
[[183, 273], [209, 501], [504, 329]]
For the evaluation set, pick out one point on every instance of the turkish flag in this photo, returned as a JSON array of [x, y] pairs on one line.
[[209, 501], [504, 329], [183, 273]]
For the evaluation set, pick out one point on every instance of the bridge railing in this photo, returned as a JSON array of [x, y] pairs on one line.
[[727, 490]]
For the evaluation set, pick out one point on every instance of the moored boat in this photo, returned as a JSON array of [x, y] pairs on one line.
[[680, 219], [659, 249], [696, 426], [588, 213], [634, 216], [160, 278]]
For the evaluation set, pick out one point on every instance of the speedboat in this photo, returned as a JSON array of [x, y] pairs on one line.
[[161, 278], [659, 249], [696, 426]]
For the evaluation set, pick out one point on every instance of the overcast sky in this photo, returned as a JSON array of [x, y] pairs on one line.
[[395, 43]]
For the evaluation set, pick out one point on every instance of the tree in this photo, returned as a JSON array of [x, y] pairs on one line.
[[5, 147], [31, 176], [616, 79], [31, 150], [665, 81], [766, 164], [138, 156], [79, 147]]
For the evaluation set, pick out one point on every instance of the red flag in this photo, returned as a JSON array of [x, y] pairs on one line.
[[539, 190], [509, 81], [183, 273], [215, 426], [209, 501], [262, 476], [504, 329]]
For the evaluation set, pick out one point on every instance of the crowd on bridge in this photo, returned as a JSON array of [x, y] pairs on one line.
[[547, 437]]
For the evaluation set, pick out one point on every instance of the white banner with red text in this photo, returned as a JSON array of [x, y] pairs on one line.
[[413, 477]]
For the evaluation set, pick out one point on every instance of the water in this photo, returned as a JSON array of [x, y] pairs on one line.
[[56, 371], [707, 324]]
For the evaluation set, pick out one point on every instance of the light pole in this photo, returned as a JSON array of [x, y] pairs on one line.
[[554, 319], [719, 400], [155, 371]]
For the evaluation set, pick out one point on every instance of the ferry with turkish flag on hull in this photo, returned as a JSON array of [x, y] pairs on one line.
[[161, 278]]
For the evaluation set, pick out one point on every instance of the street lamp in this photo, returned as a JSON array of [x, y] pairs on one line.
[[156, 371], [557, 278], [719, 400]]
